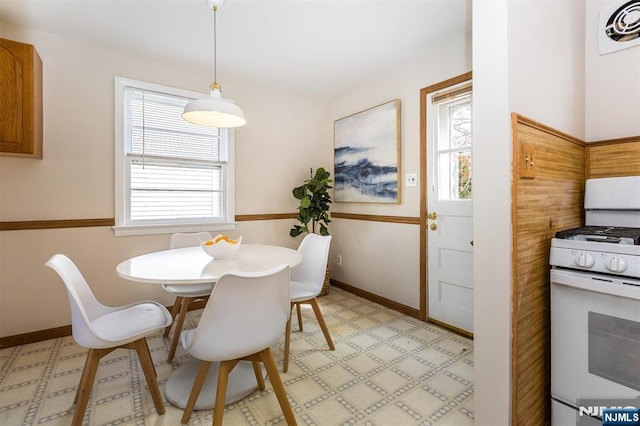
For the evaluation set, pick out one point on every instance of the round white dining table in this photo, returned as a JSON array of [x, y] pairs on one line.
[[191, 265]]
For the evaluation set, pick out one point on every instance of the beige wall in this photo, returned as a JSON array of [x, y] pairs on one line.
[[390, 251], [284, 137], [613, 86], [547, 62]]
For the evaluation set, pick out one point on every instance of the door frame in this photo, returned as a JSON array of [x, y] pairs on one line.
[[424, 306]]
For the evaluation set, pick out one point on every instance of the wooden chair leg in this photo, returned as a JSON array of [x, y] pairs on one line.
[[299, 316], [278, 387], [287, 344], [195, 390], [174, 312], [83, 378], [258, 372], [144, 356], [184, 308], [323, 325], [86, 383], [221, 391]]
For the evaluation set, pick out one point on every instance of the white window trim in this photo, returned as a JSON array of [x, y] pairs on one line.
[[445, 96], [121, 180]]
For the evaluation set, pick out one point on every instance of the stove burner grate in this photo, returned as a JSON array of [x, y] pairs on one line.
[[605, 234]]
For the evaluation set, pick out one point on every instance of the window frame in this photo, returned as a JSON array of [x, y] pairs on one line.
[[441, 120], [123, 224]]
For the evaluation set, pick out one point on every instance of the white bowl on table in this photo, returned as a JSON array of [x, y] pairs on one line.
[[221, 247]]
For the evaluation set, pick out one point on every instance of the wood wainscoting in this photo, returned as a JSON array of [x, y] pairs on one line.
[[548, 197], [545, 201], [612, 158]]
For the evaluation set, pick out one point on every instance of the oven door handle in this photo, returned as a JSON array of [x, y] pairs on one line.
[[615, 286]]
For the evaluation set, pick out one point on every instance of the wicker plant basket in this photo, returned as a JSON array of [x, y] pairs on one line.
[[327, 283]]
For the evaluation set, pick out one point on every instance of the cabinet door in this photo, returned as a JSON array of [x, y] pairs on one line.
[[20, 100]]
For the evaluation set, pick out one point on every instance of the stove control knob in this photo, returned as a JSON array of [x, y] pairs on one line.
[[584, 260], [616, 264]]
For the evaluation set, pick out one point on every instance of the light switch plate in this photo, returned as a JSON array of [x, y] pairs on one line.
[[412, 179], [527, 161]]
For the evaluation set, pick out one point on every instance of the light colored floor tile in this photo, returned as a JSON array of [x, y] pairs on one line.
[[362, 396], [446, 385], [463, 370], [329, 412]]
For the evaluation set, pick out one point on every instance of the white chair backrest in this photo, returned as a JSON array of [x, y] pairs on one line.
[[314, 249], [246, 313], [84, 306], [180, 240]]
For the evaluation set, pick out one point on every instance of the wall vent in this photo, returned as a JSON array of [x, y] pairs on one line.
[[619, 26]]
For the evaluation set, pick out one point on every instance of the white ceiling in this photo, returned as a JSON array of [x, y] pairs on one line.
[[314, 47]]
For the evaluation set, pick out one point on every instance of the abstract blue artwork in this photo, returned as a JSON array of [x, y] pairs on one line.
[[367, 155]]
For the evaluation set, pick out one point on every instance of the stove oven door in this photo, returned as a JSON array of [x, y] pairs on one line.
[[595, 338]]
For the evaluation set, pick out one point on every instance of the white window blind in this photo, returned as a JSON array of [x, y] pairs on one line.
[[174, 172], [157, 128]]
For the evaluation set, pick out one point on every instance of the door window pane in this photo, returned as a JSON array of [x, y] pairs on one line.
[[455, 175], [454, 149]]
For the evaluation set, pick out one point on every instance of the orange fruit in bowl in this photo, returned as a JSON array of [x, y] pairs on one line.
[[224, 238]]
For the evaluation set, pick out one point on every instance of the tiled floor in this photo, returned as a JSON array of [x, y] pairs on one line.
[[387, 369]]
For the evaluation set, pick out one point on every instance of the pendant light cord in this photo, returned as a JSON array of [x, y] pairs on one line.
[[144, 126], [215, 62]]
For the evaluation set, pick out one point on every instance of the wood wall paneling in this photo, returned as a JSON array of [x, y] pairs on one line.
[[545, 201], [618, 157]]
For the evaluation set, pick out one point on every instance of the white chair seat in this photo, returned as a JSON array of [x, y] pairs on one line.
[[189, 290], [131, 323], [299, 292]]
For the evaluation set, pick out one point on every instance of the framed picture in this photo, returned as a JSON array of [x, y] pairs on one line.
[[367, 155]]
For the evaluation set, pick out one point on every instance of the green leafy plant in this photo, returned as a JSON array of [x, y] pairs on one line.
[[313, 212]]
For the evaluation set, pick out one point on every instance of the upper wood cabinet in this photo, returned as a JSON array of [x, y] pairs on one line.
[[20, 100]]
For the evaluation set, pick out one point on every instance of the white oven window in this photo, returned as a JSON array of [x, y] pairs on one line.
[[614, 349]]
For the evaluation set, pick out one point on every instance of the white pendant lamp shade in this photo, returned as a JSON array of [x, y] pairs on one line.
[[214, 111]]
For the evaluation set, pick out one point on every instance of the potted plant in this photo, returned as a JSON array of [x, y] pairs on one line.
[[313, 211], [314, 204]]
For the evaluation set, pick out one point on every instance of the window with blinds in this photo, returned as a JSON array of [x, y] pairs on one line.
[[174, 172]]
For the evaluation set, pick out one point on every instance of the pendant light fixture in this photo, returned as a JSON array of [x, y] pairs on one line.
[[214, 111]]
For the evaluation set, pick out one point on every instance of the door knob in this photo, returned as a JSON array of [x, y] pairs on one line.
[[432, 216], [433, 226]]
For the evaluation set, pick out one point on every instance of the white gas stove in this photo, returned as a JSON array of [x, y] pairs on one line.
[[610, 241], [595, 306]]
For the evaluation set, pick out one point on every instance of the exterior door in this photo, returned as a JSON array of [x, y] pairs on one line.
[[449, 209]]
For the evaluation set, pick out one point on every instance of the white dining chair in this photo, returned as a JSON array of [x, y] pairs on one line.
[[185, 293], [244, 316], [103, 329], [307, 279]]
